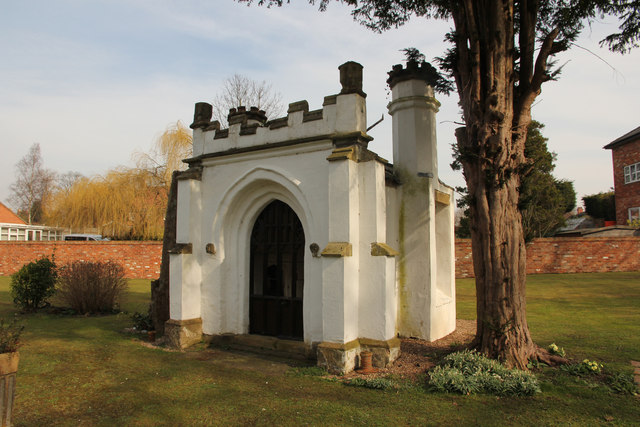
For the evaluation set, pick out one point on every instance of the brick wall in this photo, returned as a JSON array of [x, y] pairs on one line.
[[627, 195], [567, 255], [141, 260]]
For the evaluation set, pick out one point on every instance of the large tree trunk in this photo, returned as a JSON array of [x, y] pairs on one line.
[[496, 100], [159, 308], [490, 154], [499, 260]]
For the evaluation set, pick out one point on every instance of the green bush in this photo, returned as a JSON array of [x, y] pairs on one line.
[[142, 321], [469, 372], [601, 205], [92, 287], [10, 336], [34, 284]]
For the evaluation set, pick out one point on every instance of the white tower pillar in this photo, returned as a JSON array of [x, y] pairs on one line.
[[426, 296]]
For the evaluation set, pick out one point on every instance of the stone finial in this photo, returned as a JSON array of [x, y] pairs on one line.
[[202, 115], [351, 78]]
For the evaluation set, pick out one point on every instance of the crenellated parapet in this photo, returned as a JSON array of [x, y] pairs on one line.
[[341, 114]]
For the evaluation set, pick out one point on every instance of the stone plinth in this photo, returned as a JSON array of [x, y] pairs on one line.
[[183, 333]]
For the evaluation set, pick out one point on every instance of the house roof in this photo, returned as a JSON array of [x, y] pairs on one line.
[[627, 137], [8, 217]]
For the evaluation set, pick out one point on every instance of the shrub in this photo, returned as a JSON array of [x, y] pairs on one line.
[[601, 205], [92, 287], [469, 372], [10, 336], [142, 321], [34, 284]]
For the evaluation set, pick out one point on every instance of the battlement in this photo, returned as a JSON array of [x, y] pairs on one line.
[[341, 114]]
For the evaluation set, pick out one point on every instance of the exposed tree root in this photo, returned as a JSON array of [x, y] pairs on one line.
[[539, 354], [542, 355]]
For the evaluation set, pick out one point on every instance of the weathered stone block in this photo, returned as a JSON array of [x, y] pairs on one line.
[[338, 358], [384, 352], [183, 333]]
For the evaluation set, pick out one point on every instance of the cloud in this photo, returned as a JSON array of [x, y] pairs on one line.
[[92, 82]]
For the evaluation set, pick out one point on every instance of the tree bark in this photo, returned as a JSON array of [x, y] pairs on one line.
[[492, 152], [159, 308], [496, 98]]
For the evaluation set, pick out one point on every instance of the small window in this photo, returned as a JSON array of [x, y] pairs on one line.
[[634, 214], [632, 173]]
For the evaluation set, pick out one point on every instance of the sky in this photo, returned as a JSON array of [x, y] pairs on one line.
[[93, 81]]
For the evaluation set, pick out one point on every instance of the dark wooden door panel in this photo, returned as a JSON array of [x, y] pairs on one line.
[[277, 273]]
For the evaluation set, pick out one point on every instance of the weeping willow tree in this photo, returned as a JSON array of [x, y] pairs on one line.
[[166, 156], [125, 203]]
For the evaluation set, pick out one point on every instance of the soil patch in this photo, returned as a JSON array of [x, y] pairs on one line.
[[417, 356]]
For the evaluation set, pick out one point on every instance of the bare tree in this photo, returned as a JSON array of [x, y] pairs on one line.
[[239, 90], [65, 181], [32, 185]]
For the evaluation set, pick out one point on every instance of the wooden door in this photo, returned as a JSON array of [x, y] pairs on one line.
[[277, 273]]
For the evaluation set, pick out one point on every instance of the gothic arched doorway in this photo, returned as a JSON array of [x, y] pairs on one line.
[[276, 273]]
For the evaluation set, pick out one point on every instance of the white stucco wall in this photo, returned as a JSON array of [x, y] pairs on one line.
[[320, 168], [424, 235]]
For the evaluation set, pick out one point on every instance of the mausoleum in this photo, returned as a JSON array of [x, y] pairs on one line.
[[293, 236]]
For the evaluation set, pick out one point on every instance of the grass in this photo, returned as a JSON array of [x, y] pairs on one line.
[[594, 315], [86, 371]]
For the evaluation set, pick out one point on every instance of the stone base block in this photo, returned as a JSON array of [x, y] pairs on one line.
[[384, 352], [183, 333], [338, 358]]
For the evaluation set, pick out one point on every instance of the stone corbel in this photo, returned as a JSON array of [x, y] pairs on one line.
[[382, 249], [443, 198], [337, 249]]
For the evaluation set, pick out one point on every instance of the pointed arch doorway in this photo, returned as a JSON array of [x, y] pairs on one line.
[[277, 273]]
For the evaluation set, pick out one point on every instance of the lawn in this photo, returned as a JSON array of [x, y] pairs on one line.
[[88, 371]]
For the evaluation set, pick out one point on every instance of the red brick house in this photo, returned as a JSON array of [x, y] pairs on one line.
[[626, 175]]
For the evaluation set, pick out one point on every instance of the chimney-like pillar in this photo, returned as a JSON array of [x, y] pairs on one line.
[[413, 110], [426, 304], [351, 78]]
